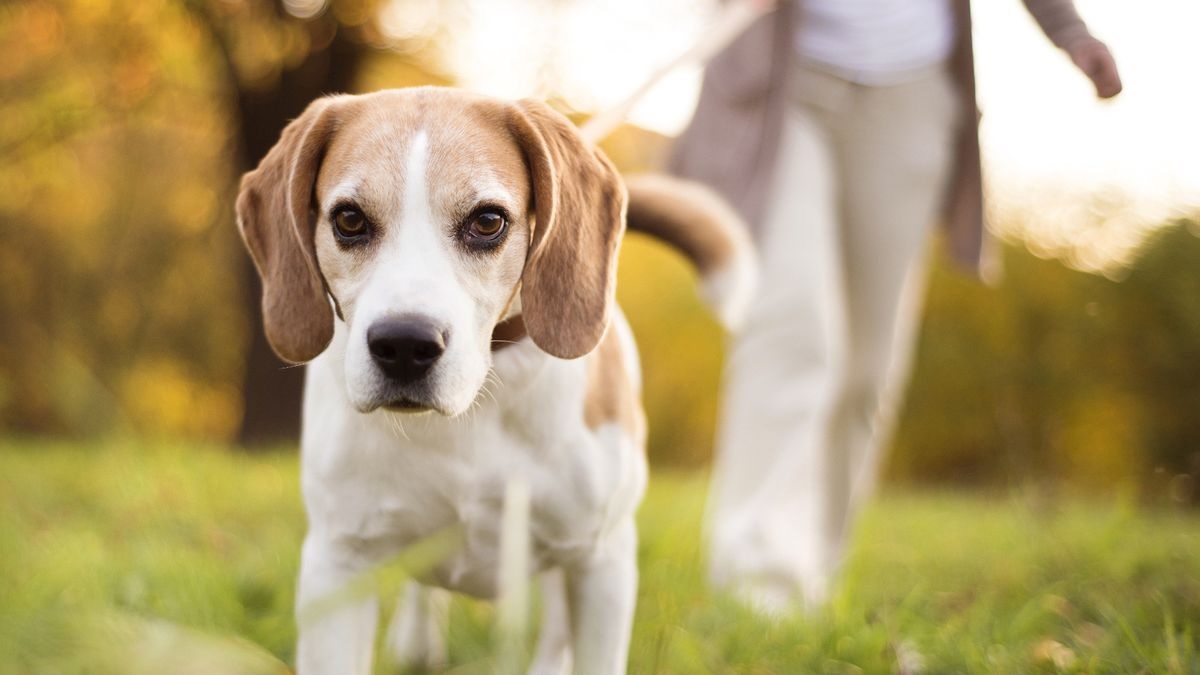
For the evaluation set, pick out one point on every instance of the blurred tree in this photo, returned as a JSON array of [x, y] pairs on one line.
[[1159, 310], [111, 193], [276, 57], [1061, 375]]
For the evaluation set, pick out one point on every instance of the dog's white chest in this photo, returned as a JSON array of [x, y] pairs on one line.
[[393, 485]]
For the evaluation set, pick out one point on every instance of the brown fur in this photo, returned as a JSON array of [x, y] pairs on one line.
[[570, 277], [611, 396], [688, 216], [277, 223], [508, 332]]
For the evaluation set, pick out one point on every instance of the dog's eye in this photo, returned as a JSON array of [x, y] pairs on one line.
[[486, 226], [350, 224]]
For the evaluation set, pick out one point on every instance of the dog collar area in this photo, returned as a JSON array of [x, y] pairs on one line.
[[508, 332]]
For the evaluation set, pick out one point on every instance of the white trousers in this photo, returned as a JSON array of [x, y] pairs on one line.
[[811, 380]]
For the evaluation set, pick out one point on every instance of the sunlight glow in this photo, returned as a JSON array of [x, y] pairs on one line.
[[1090, 177], [589, 53], [1087, 178]]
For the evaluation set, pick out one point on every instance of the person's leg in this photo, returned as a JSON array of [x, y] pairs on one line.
[[894, 146], [763, 521], [862, 172]]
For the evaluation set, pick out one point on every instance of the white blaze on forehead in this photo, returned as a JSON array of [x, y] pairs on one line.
[[415, 258], [416, 187]]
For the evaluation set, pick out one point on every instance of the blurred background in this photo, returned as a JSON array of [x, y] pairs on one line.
[[130, 307], [1039, 503]]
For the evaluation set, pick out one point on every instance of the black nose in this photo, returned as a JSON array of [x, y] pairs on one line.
[[405, 347]]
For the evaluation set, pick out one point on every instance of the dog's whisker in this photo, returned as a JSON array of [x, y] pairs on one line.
[[398, 426], [493, 376], [475, 406], [483, 389]]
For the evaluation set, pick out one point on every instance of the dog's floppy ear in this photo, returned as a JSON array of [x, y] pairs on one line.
[[579, 208], [275, 216]]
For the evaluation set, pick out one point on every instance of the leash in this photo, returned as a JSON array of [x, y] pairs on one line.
[[731, 21]]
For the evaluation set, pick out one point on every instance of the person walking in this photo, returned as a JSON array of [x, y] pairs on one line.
[[840, 130]]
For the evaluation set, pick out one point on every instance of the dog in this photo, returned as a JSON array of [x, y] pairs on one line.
[[444, 263]]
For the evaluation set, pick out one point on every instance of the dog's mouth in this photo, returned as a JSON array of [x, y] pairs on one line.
[[407, 405]]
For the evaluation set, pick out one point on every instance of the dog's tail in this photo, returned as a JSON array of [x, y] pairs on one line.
[[702, 226]]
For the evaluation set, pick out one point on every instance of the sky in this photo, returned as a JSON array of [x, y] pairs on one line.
[[1051, 148], [1085, 175]]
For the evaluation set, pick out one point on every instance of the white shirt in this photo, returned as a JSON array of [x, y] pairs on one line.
[[875, 42]]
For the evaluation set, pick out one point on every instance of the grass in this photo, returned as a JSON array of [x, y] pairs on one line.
[[143, 558]]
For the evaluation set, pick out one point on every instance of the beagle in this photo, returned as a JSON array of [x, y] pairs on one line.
[[445, 265]]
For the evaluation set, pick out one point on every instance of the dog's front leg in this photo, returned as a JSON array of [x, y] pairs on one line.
[[336, 621], [553, 653], [602, 591], [417, 636]]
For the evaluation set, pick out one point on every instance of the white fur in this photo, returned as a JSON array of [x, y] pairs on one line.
[[376, 482], [730, 290]]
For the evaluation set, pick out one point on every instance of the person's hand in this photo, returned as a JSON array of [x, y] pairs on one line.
[[1094, 59]]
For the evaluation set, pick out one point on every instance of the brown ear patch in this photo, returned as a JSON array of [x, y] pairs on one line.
[[274, 209], [579, 207]]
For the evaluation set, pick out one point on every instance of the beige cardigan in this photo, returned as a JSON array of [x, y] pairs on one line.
[[733, 137]]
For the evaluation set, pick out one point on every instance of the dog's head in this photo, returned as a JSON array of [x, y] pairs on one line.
[[423, 218]]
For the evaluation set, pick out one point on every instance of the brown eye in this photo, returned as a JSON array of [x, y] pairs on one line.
[[486, 225], [349, 223]]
